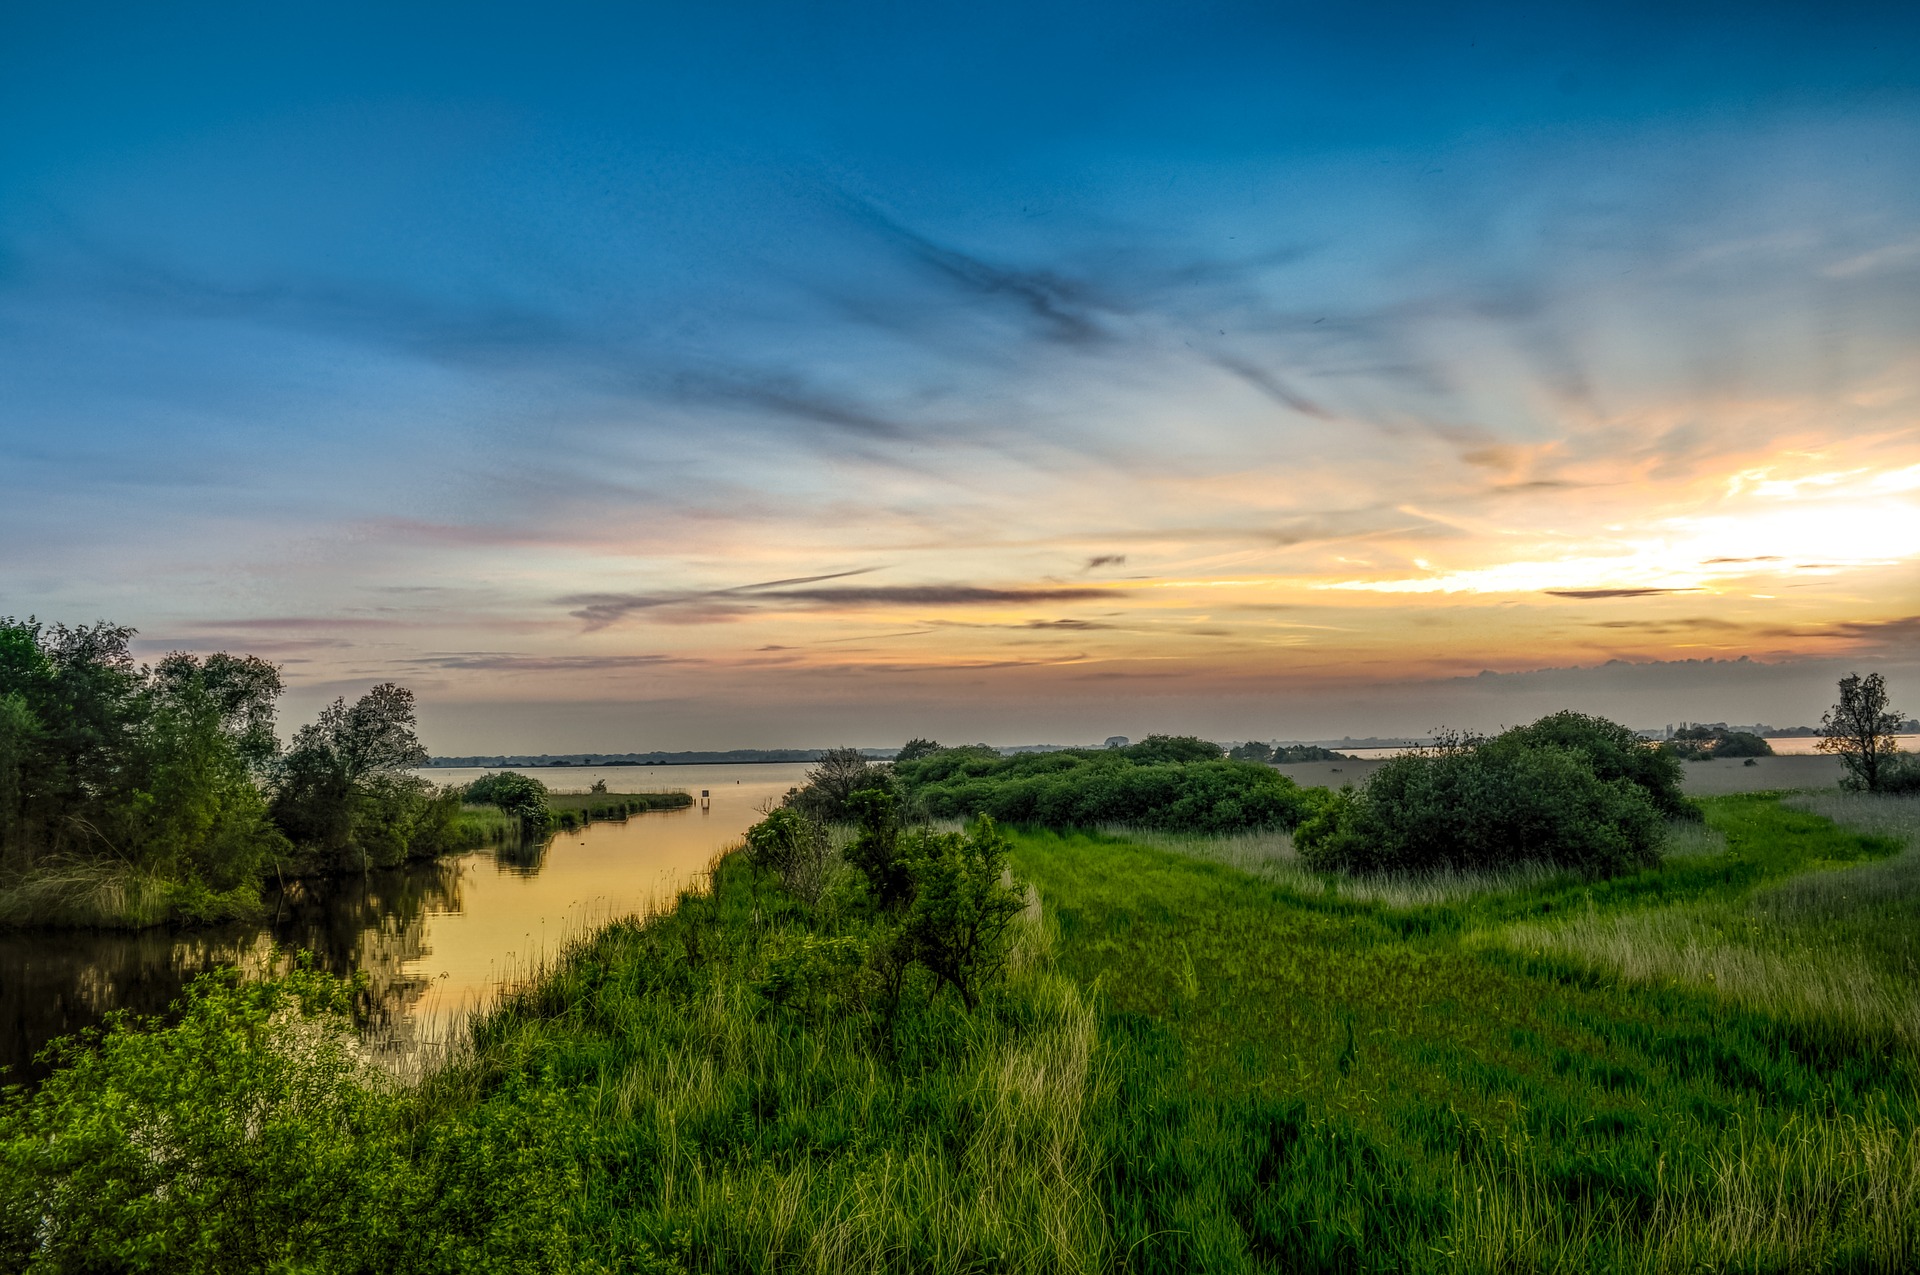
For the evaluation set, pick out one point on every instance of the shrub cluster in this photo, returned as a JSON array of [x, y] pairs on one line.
[[1699, 743], [1570, 790], [942, 901], [522, 797], [1173, 783]]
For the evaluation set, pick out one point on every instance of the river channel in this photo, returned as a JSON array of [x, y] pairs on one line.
[[437, 941]]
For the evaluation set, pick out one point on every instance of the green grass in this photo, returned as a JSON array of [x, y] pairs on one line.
[[1192, 1067], [578, 809], [1324, 1083], [1817, 926]]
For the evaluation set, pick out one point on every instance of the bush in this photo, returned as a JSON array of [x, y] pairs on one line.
[[964, 902], [521, 796], [795, 848], [1740, 743], [841, 772], [1093, 787], [1614, 752], [1485, 804]]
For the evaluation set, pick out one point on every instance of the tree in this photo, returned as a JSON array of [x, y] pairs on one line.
[[1174, 748], [342, 785], [840, 773], [1860, 729], [915, 749], [875, 849], [1252, 750], [964, 905]]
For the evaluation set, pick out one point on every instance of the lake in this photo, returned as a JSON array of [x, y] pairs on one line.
[[437, 940]]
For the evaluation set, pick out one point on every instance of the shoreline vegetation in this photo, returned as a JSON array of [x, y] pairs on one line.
[[134, 796], [1518, 1005], [1167, 1064]]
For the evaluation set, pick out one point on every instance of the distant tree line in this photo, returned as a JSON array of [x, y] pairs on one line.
[[173, 772]]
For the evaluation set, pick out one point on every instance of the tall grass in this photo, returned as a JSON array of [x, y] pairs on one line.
[[1836, 948]]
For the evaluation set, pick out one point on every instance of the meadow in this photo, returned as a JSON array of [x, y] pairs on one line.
[[1202, 1057]]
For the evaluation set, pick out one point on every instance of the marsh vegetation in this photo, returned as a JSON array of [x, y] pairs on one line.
[[881, 1042]]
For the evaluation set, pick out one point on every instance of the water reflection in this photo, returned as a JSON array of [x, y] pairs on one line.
[[436, 941]]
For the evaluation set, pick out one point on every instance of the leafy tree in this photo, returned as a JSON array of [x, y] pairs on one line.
[[1860, 729], [964, 904], [839, 774], [342, 786], [1252, 750], [1741, 743], [209, 727], [875, 849]]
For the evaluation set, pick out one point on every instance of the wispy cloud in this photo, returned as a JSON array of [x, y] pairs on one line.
[[600, 609]]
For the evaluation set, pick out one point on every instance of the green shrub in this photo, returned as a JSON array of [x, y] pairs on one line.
[[1093, 787], [875, 849], [795, 848], [964, 902], [1486, 804], [521, 796], [1614, 752], [1740, 743]]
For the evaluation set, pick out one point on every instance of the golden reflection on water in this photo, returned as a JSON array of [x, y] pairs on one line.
[[504, 915], [436, 941]]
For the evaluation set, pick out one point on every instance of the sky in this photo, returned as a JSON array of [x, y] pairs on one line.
[[628, 377]]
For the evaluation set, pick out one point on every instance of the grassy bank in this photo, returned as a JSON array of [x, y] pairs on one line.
[[1191, 1066], [572, 810]]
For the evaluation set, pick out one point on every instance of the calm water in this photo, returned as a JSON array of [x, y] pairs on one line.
[[436, 940]]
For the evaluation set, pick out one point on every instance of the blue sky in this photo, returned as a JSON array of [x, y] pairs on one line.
[[652, 377]]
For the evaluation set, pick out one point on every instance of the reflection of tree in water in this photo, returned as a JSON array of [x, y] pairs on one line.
[[372, 924], [522, 855], [57, 982]]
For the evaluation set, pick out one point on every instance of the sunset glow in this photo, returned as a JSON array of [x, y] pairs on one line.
[[676, 393]]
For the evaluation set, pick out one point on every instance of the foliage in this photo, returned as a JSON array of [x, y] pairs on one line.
[[1252, 750], [522, 797], [875, 849], [964, 901], [246, 1133], [1476, 804], [1201, 1070], [1613, 752], [1699, 743], [1172, 748], [1860, 728], [841, 772], [135, 795], [152, 769], [342, 791], [1288, 753], [793, 847], [1092, 787], [915, 749]]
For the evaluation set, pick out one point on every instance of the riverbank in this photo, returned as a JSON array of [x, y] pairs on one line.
[[1191, 1066]]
